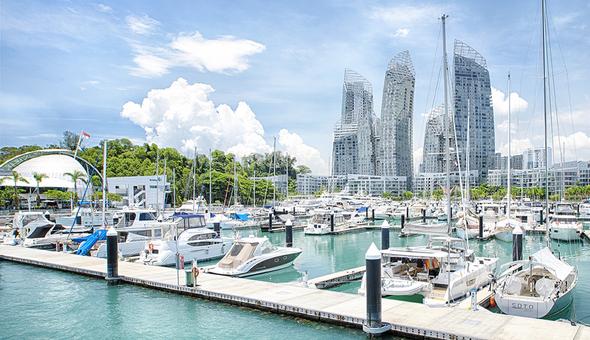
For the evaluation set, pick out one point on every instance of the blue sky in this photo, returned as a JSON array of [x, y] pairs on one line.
[[75, 65]]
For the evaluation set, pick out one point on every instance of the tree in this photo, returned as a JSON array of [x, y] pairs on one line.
[[76, 176], [302, 170], [407, 195], [69, 140], [16, 177], [38, 179]]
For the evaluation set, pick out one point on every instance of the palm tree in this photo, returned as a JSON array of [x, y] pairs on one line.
[[76, 176], [16, 177], [38, 176]]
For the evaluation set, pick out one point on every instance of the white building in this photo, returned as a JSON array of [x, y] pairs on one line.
[[140, 191], [353, 184], [535, 158], [427, 182]]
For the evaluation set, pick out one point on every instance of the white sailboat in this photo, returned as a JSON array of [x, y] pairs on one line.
[[542, 285]]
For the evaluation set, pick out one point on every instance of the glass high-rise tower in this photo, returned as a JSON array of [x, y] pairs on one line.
[[395, 130]]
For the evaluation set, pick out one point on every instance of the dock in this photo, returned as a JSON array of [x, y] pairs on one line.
[[406, 318], [336, 279]]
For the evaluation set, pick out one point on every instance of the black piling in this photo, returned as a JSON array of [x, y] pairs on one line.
[[517, 244], [407, 213], [373, 324], [480, 220], [403, 221], [270, 221], [385, 235], [289, 233], [217, 229], [423, 215], [373, 214], [112, 257], [332, 222]]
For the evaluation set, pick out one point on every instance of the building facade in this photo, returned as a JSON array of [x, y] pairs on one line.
[[140, 191], [472, 98], [534, 158], [353, 148], [425, 183], [395, 126], [433, 157]]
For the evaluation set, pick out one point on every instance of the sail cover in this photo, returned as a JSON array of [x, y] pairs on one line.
[[546, 257]]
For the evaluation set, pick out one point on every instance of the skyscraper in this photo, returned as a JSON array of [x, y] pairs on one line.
[[472, 84], [395, 130], [433, 158], [353, 149]]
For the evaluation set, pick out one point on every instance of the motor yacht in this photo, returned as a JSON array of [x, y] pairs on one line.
[[190, 241], [563, 224], [254, 255]]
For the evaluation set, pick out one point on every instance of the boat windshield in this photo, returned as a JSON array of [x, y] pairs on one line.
[[320, 218], [239, 253], [266, 248]]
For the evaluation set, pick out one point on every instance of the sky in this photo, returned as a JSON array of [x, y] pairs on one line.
[[236, 75]]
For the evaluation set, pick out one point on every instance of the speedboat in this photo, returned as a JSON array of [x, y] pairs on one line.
[[192, 241], [34, 230], [535, 288], [321, 222], [565, 228], [254, 255]]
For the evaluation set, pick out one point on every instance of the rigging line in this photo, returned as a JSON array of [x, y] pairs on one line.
[[434, 62]]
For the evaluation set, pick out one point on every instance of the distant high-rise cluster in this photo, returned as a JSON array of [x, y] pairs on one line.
[[366, 145], [471, 101]]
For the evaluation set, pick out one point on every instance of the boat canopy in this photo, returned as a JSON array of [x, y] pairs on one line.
[[560, 268], [414, 253]]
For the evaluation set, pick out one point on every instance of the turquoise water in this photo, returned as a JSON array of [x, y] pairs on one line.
[[40, 303]]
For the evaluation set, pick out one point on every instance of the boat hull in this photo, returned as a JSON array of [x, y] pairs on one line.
[[564, 234], [533, 308]]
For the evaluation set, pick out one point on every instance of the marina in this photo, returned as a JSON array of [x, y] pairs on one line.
[[309, 303]]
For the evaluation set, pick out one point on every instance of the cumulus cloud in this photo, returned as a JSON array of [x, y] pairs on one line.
[[518, 146], [500, 102], [141, 24], [226, 53], [401, 33], [293, 145], [183, 116], [574, 147]]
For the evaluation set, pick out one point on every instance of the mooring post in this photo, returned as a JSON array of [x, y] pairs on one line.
[[385, 235], [217, 228], [332, 222], [480, 220], [517, 243], [423, 215], [373, 324], [112, 256], [270, 221], [373, 214], [407, 212], [289, 233], [403, 222]]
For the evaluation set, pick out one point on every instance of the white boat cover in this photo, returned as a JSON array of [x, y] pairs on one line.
[[560, 268]]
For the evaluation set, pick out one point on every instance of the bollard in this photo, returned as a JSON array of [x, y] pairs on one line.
[[293, 210], [112, 256], [270, 221], [516, 243], [332, 222], [423, 215], [385, 235], [367, 213], [373, 324], [541, 220], [407, 212], [289, 233], [373, 214], [480, 226], [217, 229], [403, 222]]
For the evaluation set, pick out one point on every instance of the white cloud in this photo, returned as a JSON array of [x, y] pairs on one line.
[[403, 15], [223, 54], [500, 102], [574, 147], [401, 32], [104, 8], [518, 146], [293, 145], [183, 116], [141, 25]]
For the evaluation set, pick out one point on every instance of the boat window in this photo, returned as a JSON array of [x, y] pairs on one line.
[[141, 232], [40, 232], [267, 248], [200, 237], [146, 217], [236, 249], [157, 233]]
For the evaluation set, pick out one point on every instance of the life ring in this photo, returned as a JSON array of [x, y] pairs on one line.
[[196, 271]]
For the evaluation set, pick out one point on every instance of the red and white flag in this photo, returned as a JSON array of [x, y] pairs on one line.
[[85, 134]]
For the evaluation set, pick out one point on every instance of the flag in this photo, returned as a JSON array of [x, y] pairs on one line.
[[85, 134]]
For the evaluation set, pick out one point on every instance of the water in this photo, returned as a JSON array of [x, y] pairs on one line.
[[41, 303]]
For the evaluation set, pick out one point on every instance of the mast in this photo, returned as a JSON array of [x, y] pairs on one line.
[[509, 154], [446, 123], [210, 167], [287, 172], [174, 189], [104, 185], [158, 181], [164, 202], [543, 25], [467, 155], [254, 185], [194, 180], [274, 170], [235, 183]]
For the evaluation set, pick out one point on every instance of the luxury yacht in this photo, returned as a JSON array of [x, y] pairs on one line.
[[191, 241], [563, 224], [254, 255], [442, 272], [535, 288], [321, 222]]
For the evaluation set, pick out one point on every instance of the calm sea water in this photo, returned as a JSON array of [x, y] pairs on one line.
[[40, 303]]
